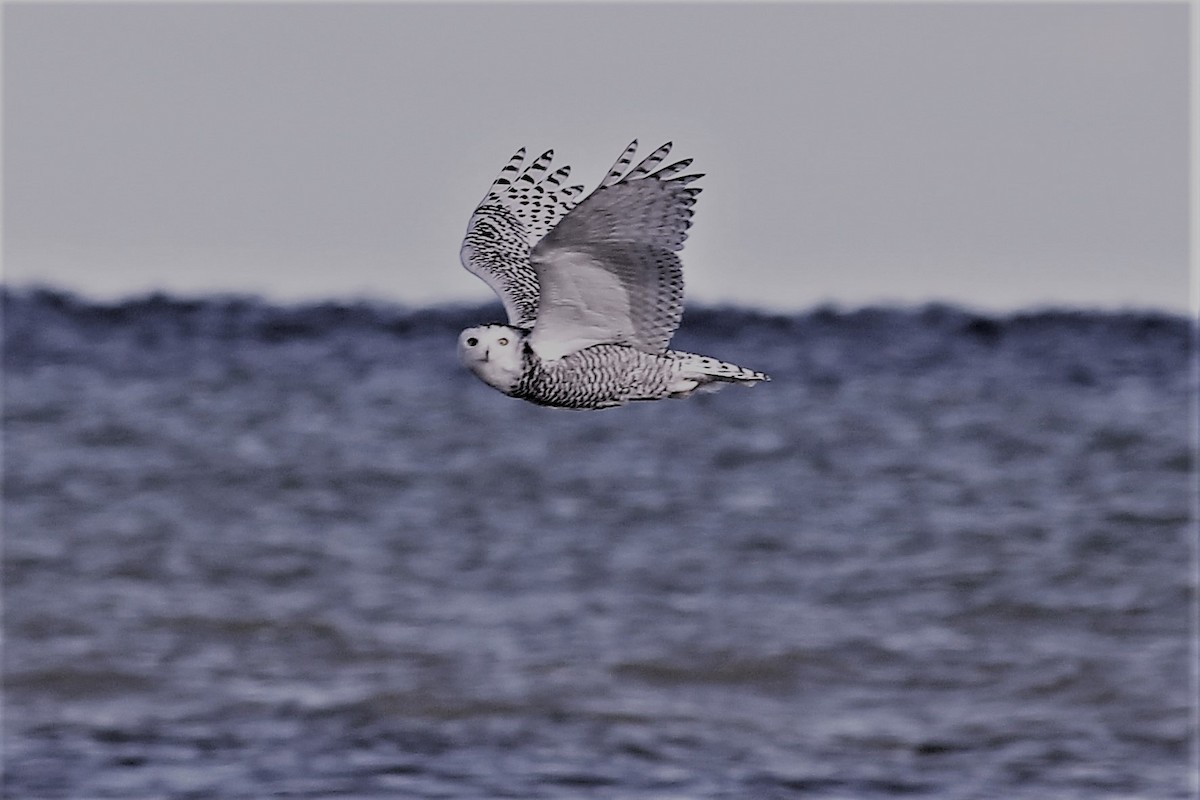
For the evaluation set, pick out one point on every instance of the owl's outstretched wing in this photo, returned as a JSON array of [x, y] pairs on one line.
[[520, 206], [609, 271]]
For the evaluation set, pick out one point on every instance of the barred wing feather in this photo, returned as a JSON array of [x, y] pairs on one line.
[[520, 207], [609, 271]]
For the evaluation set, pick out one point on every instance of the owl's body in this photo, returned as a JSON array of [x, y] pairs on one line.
[[606, 375], [593, 291], [599, 376]]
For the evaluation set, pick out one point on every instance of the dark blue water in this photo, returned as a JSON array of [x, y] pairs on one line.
[[254, 551]]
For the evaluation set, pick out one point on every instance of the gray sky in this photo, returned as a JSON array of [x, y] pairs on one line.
[[998, 156]]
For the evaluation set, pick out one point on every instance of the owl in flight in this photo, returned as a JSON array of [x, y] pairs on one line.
[[593, 288]]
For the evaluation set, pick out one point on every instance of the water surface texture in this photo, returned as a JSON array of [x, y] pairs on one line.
[[254, 551]]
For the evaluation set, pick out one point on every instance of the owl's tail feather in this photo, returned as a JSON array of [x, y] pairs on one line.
[[701, 372]]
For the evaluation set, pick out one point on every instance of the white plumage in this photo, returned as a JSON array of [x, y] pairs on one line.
[[593, 289]]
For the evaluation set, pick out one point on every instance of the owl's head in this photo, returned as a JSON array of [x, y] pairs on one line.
[[493, 353]]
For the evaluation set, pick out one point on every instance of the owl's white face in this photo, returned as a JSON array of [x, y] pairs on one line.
[[493, 353]]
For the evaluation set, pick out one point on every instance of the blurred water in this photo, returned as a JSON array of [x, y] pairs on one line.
[[255, 551]]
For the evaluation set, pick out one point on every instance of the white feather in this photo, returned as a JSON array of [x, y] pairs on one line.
[[583, 302]]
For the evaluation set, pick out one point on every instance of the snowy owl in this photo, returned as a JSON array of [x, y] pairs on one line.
[[593, 288]]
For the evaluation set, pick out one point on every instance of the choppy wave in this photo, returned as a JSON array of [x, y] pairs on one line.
[[254, 550]]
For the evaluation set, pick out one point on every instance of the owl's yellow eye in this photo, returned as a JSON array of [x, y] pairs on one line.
[[503, 341], [472, 342]]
